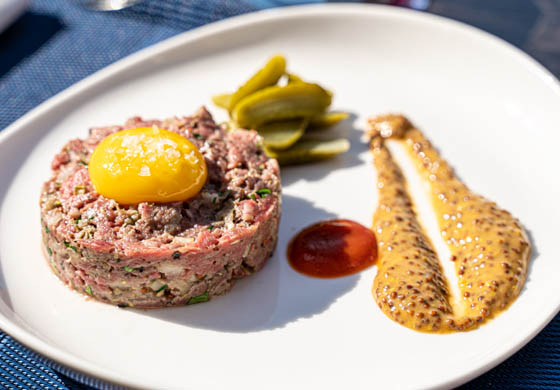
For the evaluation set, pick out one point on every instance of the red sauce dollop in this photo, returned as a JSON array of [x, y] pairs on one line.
[[333, 248]]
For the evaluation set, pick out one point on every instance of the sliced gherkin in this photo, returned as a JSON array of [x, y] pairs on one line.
[[294, 78], [328, 119], [294, 100], [265, 77], [222, 100], [282, 134], [309, 151]]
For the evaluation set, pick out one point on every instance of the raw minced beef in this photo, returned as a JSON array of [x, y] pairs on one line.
[[155, 255]]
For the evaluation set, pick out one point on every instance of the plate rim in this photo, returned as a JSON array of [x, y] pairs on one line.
[[83, 366]]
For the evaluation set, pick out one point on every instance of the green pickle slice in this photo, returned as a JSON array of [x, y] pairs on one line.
[[282, 134], [294, 78], [309, 151], [265, 77], [283, 113], [328, 119], [296, 100], [222, 100]]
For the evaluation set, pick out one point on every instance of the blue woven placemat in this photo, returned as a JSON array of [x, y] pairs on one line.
[[57, 43]]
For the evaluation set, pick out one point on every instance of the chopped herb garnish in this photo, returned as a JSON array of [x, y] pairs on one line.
[[210, 227], [49, 250], [253, 197], [214, 199], [47, 230], [199, 299], [176, 254], [263, 192], [77, 221], [165, 286], [197, 136], [67, 245], [128, 269], [85, 164], [118, 259], [88, 291]]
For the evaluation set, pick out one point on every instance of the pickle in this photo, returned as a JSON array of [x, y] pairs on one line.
[[265, 77], [293, 78], [309, 151], [222, 100], [328, 119], [282, 134], [294, 100]]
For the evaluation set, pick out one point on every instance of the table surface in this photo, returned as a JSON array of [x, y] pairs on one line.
[[57, 43]]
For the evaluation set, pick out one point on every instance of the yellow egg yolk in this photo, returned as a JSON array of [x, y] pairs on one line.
[[147, 164]]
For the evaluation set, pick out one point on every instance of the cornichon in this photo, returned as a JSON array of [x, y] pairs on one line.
[[282, 134], [310, 150], [222, 100], [294, 100], [294, 78], [265, 77], [328, 119]]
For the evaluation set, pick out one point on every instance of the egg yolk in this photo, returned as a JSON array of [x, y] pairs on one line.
[[147, 164]]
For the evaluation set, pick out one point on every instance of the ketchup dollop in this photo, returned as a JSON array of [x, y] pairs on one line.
[[333, 248]]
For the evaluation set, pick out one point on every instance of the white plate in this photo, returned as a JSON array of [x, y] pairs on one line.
[[491, 109]]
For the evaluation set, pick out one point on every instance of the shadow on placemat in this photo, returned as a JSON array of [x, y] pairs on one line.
[[33, 30], [185, 14]]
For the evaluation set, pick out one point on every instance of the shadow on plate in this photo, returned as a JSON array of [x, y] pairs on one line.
[[348, 129], [273, 297], [11, 161]]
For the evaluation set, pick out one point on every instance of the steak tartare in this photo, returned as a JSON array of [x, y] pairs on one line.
[[151, 255]]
